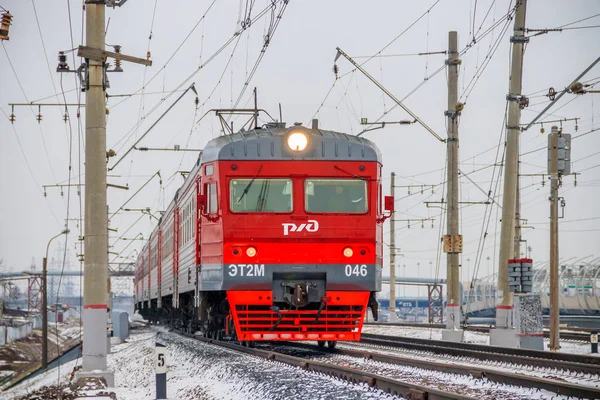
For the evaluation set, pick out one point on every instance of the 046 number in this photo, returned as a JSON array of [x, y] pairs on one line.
[[356, 270]]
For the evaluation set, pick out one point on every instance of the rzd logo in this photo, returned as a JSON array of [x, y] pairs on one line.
[[311, 226]]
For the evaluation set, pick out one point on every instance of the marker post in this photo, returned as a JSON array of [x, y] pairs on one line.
[[161, 371]]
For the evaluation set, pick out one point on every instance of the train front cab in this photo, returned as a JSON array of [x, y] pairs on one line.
[[299, 266]]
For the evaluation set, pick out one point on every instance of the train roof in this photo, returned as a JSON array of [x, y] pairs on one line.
[[269, 144]]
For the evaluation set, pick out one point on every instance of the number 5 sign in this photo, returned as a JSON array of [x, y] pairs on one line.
[[160, 364]]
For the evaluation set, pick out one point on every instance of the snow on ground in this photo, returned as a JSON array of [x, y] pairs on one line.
[[200, 371], [470, 337], [460, 384], [422, 333], [548, 373]]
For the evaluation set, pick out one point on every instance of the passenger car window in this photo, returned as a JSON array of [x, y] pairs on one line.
[[213, 205], [260, 195], [336, 196]]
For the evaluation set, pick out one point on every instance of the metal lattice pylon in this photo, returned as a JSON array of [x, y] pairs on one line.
[[34, 293], [435, 304]]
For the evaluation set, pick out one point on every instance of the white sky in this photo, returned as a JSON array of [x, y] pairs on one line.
[[297, 72]]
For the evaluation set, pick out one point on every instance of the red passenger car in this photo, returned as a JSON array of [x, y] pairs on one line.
[[276, 234]]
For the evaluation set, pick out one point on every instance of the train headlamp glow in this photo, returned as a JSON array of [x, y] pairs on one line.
[[250, 251], [348, 252], [297, 141]]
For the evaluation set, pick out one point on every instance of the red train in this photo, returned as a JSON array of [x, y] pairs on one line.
[[276, 234]]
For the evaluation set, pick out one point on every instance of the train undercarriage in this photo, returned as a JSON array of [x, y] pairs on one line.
[[250, 316]]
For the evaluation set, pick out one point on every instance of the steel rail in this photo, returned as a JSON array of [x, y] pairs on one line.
[[476, 371], [579, 334], [387, 385], [567, 335], [564, 361]]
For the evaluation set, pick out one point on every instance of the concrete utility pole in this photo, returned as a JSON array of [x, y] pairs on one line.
[[554, 293], [453, 240], [44, 307], [95, 343], [517, 245], [393, 254], [44, 312], [504, 302]]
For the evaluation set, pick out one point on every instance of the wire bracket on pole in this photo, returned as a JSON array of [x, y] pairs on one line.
[[519, 39], [453, 61], [521, 99], [113, 3]]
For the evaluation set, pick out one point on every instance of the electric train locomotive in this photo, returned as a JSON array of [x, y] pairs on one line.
[[276, 234]]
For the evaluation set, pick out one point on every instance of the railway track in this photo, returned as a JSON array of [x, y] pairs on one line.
[[556, 385], [573, 363], [396, 387], [578, 334], [341, 369]]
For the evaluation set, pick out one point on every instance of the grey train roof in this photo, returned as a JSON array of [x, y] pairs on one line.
[[269, 144]]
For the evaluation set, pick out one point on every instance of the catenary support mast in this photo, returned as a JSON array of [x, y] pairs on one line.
[[504, 302], [393, 254], [453, 239], [95, 344]]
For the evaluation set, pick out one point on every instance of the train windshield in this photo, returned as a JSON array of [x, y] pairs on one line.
[[262, 195], [336, 196]]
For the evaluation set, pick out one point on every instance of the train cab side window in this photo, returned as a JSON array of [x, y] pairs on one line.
[[208, 170], [211, 195]]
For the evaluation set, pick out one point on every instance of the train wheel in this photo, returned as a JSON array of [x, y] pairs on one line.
[[331, 344], [321, 344], [250, 343]]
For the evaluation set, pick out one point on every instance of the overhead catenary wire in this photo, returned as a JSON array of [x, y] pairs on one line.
[[70, 170], [369, 58], [489, 30], [196, 71], [174, 52], [31, 109], [142, 98], [274, 23], [28, 164]]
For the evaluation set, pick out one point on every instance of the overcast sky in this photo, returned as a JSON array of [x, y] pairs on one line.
[[296, 72]]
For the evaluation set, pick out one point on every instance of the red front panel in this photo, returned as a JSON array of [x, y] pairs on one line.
[[341, 318]]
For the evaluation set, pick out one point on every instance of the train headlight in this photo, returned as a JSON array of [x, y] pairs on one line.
[[348, 252], [297, 141], [251, 251]]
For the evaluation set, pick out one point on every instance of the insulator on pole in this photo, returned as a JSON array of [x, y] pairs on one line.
[[63, 66], [577, 88], [12, 117], [5, 23], [117, 61]]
